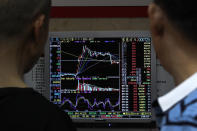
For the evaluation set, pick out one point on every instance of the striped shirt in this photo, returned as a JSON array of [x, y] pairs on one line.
[[179, 107]]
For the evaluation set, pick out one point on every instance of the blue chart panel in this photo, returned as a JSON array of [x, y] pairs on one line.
[[91, 102]]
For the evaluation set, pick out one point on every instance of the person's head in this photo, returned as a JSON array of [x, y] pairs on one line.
[[24, 29], [174, 30]]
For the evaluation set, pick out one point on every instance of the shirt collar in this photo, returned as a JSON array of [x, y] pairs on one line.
[[178, 93]]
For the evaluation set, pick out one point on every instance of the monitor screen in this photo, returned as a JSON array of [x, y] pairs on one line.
[[102, 78]]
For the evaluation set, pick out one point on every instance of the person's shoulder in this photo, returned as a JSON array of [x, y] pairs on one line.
[[183, 114], [54, 117], [29, 101], [189, 106], [29, 109], [38, 102], [32, 97]]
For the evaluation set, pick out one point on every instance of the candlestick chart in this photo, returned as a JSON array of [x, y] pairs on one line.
[[90, 74], [88, 66]]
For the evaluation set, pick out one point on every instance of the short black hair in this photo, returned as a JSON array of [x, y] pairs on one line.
[[183, 15], [16, 15]]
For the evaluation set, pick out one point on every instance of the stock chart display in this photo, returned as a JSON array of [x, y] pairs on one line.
[[101, 78]]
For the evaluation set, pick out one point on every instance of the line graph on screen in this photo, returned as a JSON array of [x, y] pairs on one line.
[[89, 64]]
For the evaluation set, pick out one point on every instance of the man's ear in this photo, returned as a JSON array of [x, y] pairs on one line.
[[156, 17], [38, 28]]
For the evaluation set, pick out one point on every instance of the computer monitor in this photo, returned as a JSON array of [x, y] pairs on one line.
[[102, 76]]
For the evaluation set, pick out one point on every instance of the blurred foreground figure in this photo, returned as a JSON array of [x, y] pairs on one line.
[[174, 32], [23, 34]]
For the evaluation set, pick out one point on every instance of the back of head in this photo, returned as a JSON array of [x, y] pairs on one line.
[[16, 15], [174, 31], [23, 32], [182, 14]]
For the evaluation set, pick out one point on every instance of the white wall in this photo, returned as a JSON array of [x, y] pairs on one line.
[[100, 2]]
